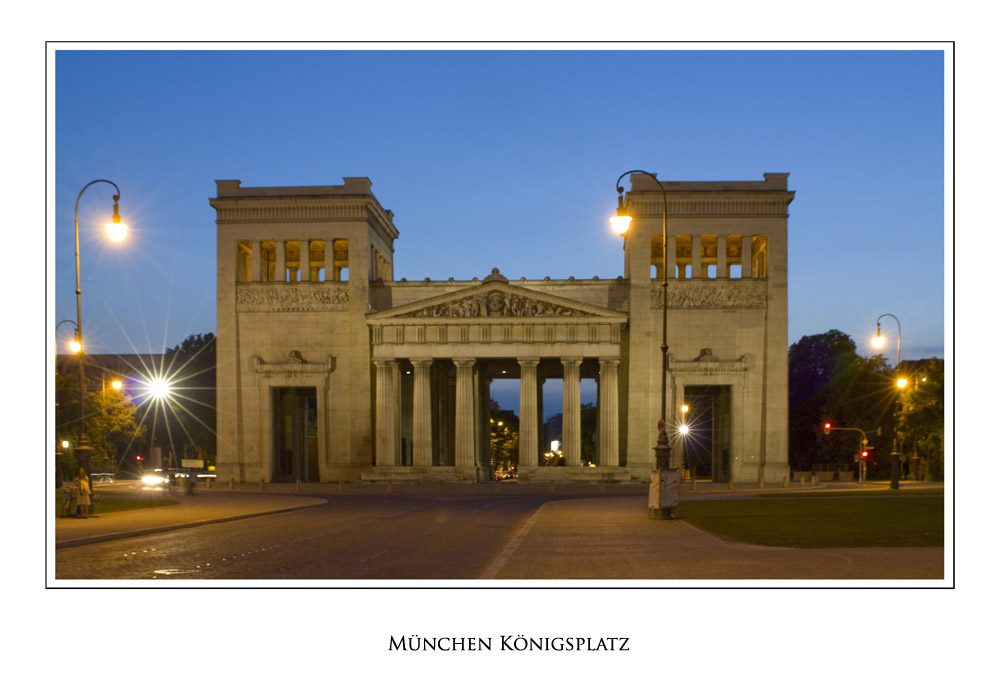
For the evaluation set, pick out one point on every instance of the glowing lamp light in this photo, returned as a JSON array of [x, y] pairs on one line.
[[901, 383], [620, 223], [683, 430], [684, 408], [116, 384], [878, 341], [65, 444], [158, 388], [116, 229], [116, 232], [75, 346]]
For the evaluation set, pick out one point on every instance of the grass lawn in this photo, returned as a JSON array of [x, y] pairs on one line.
[[847, 521], [114, 502]]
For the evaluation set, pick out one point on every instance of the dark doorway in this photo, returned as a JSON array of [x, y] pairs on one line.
[[294, 424], [709, 438]]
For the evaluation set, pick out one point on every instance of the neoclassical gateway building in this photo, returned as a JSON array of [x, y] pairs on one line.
[[330, 370]]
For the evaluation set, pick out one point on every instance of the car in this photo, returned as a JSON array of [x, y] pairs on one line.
[[155, 478]]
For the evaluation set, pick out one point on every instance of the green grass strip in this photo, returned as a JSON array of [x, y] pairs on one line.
[[849, 521]]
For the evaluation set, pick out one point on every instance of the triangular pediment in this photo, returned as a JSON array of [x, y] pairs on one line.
[[496, 300]]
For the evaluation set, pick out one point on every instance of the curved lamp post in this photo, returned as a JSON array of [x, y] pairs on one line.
[[621, 223], [116, 230], [879, 341]]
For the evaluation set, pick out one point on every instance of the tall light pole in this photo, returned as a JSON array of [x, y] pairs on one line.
[[621, 223], [116, 230], [879, 342]]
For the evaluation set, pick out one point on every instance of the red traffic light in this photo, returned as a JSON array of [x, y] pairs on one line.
[[826, 427], [864, 453]]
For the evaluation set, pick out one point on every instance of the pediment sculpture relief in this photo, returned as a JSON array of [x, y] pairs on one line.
[[495, 304]]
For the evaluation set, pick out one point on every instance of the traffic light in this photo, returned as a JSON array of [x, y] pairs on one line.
[[826, 428], [864, 453]]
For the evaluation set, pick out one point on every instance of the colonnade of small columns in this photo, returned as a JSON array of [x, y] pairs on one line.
[[388, 429], [254, 267], [752, 258]]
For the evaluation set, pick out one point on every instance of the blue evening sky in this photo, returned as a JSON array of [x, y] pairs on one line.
[[502, 159]]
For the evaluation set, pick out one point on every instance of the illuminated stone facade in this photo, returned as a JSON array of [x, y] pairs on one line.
[[329, 370]]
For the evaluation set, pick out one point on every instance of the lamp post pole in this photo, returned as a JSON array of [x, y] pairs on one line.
[[662, 449], [894, 455], [116, 230]]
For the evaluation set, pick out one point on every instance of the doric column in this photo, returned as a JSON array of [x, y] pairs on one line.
[[528, 436], [256, 260], [571, 412], [386, 413], [721, 268], [279, 261], [465, 407], [696, 257], [746, 271], [608, 415], [422, 433]]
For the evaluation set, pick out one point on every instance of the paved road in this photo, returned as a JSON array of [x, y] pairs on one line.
[[356, 538]]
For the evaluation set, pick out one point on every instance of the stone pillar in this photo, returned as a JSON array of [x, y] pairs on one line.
[[465, 407], [256, 261], [671, 257], [279, 261], [422, 432], [305, 265], [721, 268], [696, 257], [386, 413], [608, 414], [528, 437], [328, 261], [746, 270], [571, 412]]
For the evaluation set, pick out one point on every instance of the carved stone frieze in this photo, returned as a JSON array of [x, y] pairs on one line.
[[495, 304], [259, 297], [710, 294], [706, 362], [294, 365]]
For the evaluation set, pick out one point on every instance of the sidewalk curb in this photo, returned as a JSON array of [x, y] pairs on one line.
[[170, 528]]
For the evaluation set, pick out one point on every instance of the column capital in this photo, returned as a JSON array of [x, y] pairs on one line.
[[528, 362], [421, 363], [609, 362], [464, 362], [384, 362], [572, 361]]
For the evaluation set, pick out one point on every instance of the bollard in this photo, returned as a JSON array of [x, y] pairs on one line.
[[262, 483], [815, 479], [230, 483], [802, 482], [340, 487], [298, 485], [694, 483], [730, 484], [784, 482], [208, 483]]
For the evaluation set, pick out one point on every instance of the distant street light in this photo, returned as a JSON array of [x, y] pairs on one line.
[[879, 341], [621, 223], [116, 230]]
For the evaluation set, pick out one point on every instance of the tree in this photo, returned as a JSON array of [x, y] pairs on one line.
[[921, 421], [830, 382], [186, 425], [112, 427]]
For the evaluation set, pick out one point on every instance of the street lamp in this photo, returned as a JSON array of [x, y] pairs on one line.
[[116, 230], [879, 341], [621, 223]]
